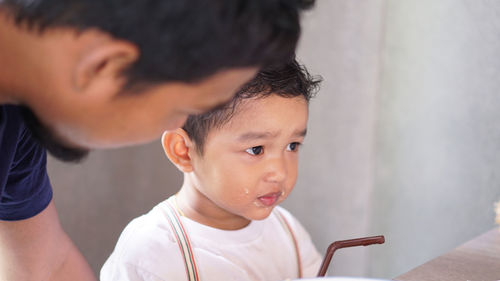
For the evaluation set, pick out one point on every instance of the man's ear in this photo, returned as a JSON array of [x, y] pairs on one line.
[[100, 65], [177, 146]]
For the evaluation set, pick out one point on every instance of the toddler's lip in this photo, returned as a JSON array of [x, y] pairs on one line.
[[269, 199]]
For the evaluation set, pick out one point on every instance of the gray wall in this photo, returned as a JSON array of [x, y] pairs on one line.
[[97, 198], [332, 197], [438, 131], [403, 139]]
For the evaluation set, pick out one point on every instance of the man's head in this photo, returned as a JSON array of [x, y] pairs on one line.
[[109, 73], [241, 159]]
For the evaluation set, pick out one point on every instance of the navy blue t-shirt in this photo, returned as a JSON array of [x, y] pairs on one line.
[[25, 188]]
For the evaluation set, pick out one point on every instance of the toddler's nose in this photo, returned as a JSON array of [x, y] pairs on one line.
[[277, 170]]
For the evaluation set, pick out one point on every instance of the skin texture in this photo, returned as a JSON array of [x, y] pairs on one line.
[[248, 166], [73, 83], [27, 242]]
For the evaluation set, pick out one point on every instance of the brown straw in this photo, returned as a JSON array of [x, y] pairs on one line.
[[365, 241]]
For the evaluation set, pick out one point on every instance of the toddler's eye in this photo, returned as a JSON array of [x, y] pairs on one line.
[[256, 150], [294, 146]]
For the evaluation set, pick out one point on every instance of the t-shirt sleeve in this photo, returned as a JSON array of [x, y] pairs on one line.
[[27, 190], [144, 252]]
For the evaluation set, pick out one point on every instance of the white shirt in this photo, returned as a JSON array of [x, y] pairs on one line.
[[147, 250]]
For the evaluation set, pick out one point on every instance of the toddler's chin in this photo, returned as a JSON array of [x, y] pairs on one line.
[[262, 214]]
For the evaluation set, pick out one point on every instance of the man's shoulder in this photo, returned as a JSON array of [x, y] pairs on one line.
[[25, 189], [12, 132], [11, 125]]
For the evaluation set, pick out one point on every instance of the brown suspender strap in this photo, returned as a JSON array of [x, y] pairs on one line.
[[182, 240], [289, 230]]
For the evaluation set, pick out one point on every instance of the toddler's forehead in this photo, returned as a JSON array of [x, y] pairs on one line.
[[257, 112]]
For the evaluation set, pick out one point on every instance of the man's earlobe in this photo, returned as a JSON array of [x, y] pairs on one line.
[[99, 66], [176, 145]]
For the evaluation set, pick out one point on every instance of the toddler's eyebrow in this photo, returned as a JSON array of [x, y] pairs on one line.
[[302, 133], [266, 135], [256, 135]]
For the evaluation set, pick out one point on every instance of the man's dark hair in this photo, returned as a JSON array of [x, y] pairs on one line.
[[179, 40], [287, 80]]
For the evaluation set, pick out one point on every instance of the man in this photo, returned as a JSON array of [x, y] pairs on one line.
[[83, 74]]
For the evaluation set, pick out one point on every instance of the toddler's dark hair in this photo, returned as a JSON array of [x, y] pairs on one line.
[[286, 80]]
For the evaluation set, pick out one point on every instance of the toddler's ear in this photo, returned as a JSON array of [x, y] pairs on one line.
[[176, 145]]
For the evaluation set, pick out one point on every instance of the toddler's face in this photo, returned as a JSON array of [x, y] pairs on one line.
[[250, 164]]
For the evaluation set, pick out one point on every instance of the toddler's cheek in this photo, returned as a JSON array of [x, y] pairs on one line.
[[242, 196]]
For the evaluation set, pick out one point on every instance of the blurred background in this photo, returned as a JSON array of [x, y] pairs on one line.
[[403, 139]]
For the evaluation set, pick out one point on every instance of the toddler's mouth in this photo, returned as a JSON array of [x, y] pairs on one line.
[[270, 199]]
